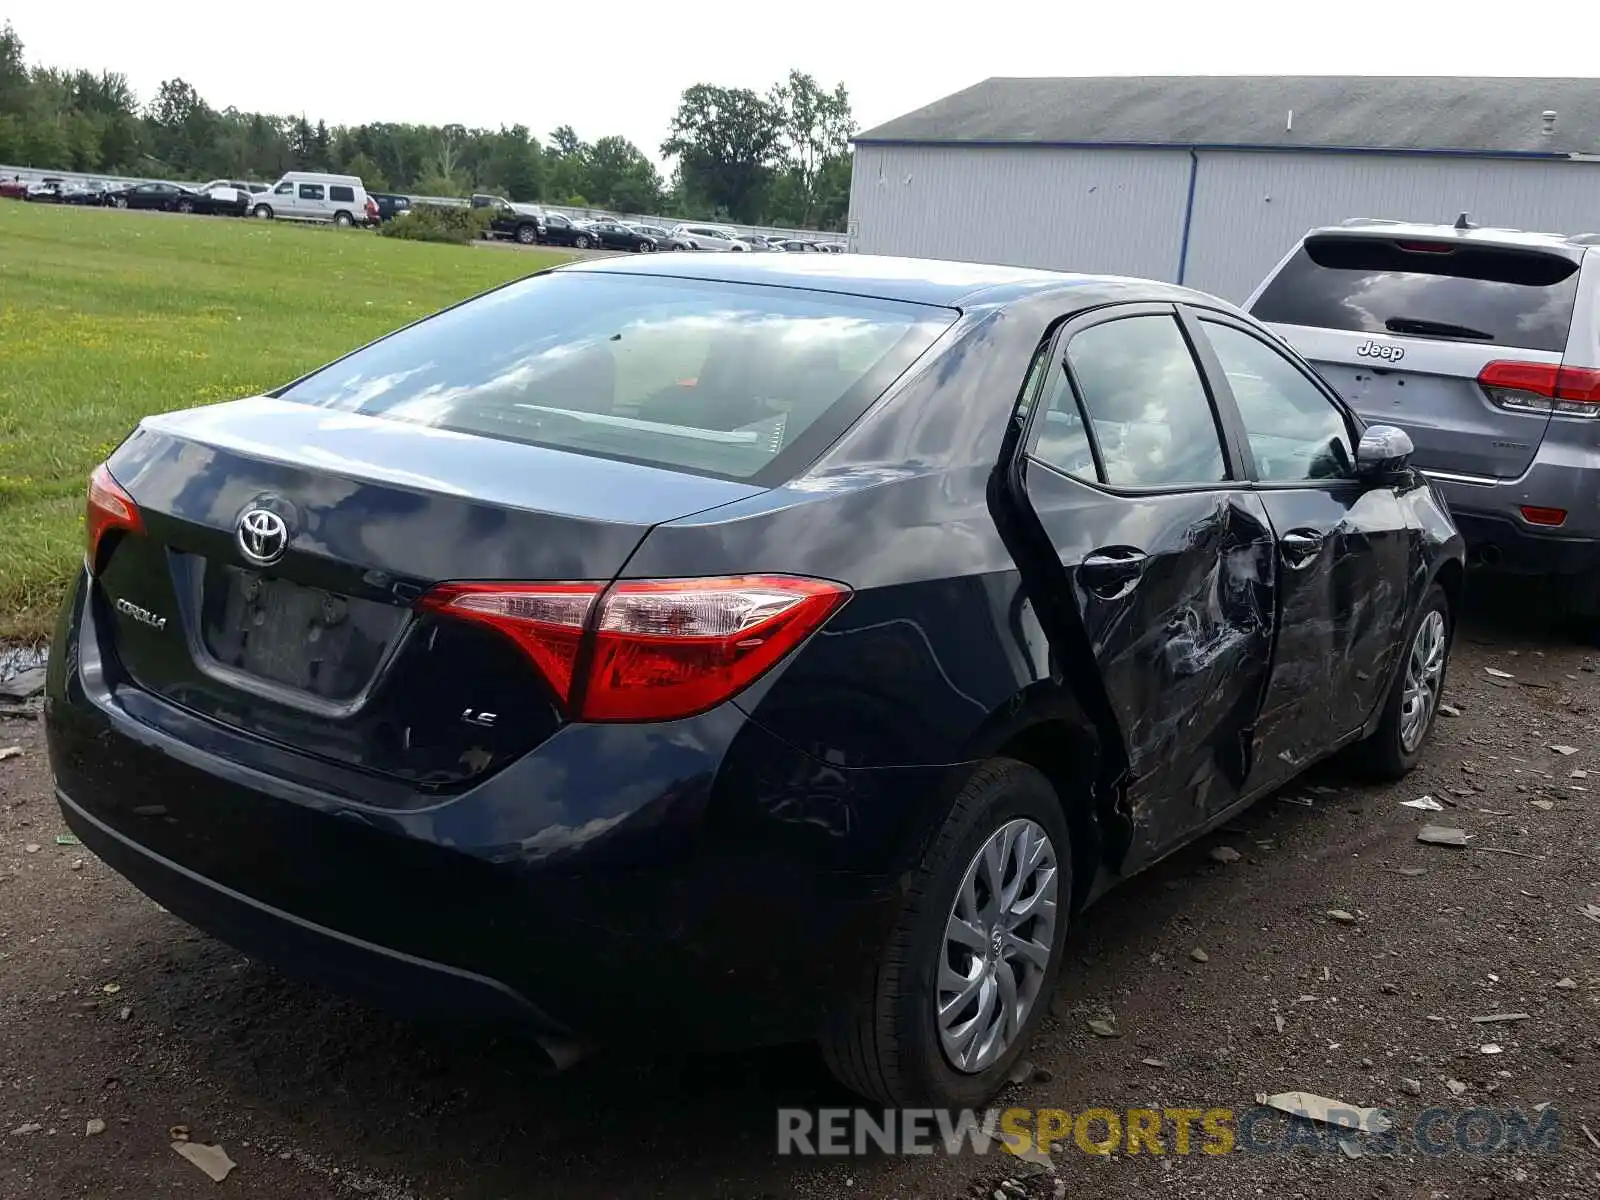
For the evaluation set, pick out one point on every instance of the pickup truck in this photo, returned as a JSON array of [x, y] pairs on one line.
[[523, 223]]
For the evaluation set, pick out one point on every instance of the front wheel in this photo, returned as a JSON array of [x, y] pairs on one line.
[[120, 202], [185, 206], [950, 1004], [646, 247], [263, 213], [581, 242], [1413, 702]]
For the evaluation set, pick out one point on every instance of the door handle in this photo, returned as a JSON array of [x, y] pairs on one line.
[[1299, 546], [1113, 572]]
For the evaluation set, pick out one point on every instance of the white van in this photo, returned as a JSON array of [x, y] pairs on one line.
[[312, 196]]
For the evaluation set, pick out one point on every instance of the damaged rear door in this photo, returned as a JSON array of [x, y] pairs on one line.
[[1164, 555], [1344, 549]]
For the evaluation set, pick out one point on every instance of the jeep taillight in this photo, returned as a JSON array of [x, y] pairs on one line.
[[1542, 387], [652, 649]]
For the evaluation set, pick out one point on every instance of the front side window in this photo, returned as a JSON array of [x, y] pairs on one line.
[[311, 191], [1295, 432], [711, 378], [1148, 407], [283, 189]]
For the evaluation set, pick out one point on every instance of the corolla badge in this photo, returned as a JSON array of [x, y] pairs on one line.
[[262, 535], [142, 615], [1372, 349]]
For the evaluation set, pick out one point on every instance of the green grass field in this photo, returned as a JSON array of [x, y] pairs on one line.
[[108, 316]]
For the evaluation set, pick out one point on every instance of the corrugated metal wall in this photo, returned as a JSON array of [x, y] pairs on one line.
[[1089, 210], [1250, 207], [1122, 211]]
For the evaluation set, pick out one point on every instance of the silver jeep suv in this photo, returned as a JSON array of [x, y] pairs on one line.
[[1484, 346]]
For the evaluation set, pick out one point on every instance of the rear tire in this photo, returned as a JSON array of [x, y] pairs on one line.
[[527, 235], [886, 1042], [1396, 745], [343, 220]]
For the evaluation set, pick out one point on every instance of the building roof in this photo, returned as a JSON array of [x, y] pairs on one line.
[[1437, 113]]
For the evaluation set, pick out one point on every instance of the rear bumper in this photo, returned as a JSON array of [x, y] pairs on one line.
[[701, 882], [393, 980], [1488, 513], [1507, 544]]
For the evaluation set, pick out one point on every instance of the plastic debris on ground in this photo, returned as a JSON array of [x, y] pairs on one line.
[[1329, 1112], [213, 1160], [1425, 803], [1441, 835]]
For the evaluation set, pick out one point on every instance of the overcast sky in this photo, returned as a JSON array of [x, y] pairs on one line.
[[619, 67]]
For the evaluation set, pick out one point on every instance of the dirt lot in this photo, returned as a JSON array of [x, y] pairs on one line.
[[112, 1011]]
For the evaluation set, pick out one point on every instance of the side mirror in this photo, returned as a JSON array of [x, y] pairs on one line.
[[1383, 449]]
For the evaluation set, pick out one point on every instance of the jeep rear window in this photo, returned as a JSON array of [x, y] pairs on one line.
[[1517, 297], [737, 381]]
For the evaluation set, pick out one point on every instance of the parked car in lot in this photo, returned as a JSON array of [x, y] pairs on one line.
[[229, 197], [796, 246], [85, 192], [45, 191], [161, 197], [15, 188], [663, 238], [640, 610], [614, 235], [390, 205], [311, 196], [1481, 345], [709, 237], [560, 230]]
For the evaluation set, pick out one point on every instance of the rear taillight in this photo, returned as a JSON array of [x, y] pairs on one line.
[[1543, 387], [108, 508], [647, 650]]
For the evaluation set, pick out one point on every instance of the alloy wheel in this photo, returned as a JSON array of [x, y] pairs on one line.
[[997, 945], [1424, 674]]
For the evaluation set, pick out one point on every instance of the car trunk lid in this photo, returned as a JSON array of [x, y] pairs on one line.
[[1404, 328], [302, 627]]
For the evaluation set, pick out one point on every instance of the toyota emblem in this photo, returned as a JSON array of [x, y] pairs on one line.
[[263, 536]]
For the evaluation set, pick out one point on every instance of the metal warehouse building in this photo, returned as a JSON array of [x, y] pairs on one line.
[[1209, 180]]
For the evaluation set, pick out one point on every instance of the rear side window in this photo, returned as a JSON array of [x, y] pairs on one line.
[[311, 191], [1151, 417], [715, 379], [1505, 297], [340, 192]]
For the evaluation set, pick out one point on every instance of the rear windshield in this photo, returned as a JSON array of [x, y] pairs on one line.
[[736, 381], [1506, 297]]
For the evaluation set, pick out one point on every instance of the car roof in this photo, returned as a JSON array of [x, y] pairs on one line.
[[1482, 235], [911, 280]]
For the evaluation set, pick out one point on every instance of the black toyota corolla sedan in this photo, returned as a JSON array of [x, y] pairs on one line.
[[714, 650]]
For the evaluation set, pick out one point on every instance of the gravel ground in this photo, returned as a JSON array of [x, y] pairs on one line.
[[113, 1011]]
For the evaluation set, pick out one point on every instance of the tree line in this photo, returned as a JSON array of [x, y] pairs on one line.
[[779, 158]]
